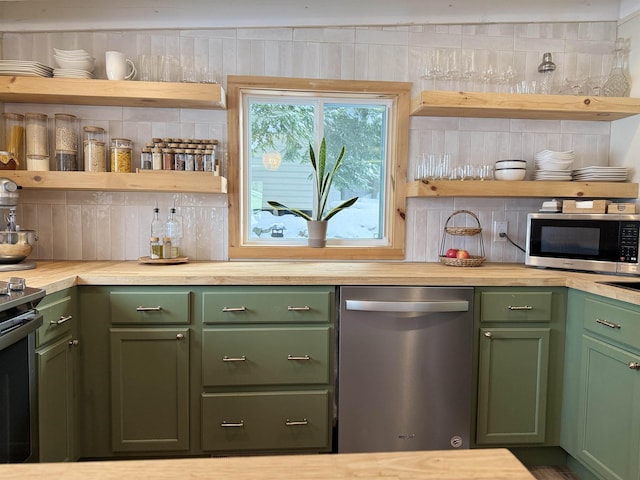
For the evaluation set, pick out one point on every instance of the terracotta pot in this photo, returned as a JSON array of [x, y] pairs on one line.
[[317, 233]]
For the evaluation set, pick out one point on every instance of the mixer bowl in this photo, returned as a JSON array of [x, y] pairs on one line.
[[16, 246]]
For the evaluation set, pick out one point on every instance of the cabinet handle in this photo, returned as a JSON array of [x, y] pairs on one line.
[[634, 365], [242, 358], [234, 309], [226, 424], [305, 308], [298, 357], [60, 321], [488, 334], [607, 323], [180, 336], [148, 309], [520, 307], [293, 423], [73, 343]]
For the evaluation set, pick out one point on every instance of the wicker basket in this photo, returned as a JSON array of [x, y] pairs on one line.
[[474, 260]]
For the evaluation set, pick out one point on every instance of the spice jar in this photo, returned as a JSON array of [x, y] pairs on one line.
[[179, 159], [95, 150], [156, 158], [146, 159], [37, 141], [121, 155], [13, 137], [7, 161], [168, 158], [66, 142]]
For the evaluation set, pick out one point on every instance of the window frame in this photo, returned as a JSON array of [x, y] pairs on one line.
[[397, 92]]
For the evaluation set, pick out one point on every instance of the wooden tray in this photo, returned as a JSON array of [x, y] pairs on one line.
[[163, 261]]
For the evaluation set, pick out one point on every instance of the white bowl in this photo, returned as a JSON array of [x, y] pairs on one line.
[[87, 65], [501, 164], [510, 174]]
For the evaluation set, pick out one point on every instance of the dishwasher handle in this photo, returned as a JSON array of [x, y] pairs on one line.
[[408, 306]]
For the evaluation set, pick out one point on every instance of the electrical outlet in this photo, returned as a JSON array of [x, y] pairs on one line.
[[498, 228]]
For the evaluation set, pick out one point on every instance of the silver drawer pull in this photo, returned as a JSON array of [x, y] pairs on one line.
[[234, 309], [488, 334], [293, 423], [298, 357], [634, 365], [61, 320], [520, 307], [607, 323], [148, 309], [234, 359], [226, 424], [305, 308]]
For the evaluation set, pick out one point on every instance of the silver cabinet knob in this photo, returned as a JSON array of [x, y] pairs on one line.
[[634, 365], [488, 334], [73, 343], [180, 336]]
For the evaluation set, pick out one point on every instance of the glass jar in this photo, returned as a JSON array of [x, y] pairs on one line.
[[189, 159], [7, 161], [179, 159], [66, 127], [156, 158], [168, 158], [199, 160], [95, 149], [207, 160], [13, 137], [121, 155], [146, 159], [37, 141]]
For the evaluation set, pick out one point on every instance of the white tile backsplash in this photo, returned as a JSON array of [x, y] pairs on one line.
[[115, 225]]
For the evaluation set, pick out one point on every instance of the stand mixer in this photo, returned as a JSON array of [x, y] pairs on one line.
[[15, 244]]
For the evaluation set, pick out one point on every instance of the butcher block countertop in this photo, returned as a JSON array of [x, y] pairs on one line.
[[490, 464], [57, 275]]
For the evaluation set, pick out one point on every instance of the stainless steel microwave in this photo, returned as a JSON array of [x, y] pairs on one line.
[[606, 243]]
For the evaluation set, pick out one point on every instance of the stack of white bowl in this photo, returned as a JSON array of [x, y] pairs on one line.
[[510, 169], [73, 64], [552, 165]]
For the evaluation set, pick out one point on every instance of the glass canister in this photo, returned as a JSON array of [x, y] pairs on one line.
[[67, 127], [95, 149], [121, 155], [37, 141], [13, 137]]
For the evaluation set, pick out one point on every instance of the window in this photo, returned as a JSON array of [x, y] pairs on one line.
[[273, 122]]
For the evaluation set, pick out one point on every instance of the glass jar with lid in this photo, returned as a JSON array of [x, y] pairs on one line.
[[7, 161], [12, 137], [121, 149], [37, 141], [95, 149], [66, 127]]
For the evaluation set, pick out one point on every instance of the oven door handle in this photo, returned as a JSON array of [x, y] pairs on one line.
[[9, 337]]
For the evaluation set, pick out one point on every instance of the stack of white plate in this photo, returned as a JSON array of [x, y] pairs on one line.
[[552, 165], [600, 174], [73, 64], [24, 68]]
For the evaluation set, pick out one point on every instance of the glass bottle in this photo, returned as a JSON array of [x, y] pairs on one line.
[[157, 233], [174, 233], [546, 73], [617, 83]]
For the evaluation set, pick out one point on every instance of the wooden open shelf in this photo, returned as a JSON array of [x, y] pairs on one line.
[[541, 107], [79, 91], [497, 188], [152, 181]]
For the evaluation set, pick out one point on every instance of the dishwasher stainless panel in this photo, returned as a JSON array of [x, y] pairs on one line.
[[404, 368]]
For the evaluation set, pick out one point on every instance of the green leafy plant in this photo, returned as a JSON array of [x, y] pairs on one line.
[[323, 179]]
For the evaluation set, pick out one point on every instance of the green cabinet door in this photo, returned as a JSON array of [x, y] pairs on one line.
[[512, 385], [56, 394], [149, 389], [609, 411]]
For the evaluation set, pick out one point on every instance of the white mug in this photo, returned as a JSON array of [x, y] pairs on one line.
[[118, 66]]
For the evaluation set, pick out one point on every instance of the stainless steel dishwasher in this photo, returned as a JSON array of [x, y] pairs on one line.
[[404, 368]]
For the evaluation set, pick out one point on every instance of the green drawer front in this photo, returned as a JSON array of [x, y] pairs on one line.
[[267, 305], [265, 421], [612, 322], [149, 307], [515, 306], [57, 319], [266, 356]]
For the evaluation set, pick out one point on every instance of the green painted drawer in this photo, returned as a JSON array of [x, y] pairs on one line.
[[266, 356], [58, 320], [613, 322], [268, 304], [150, 307], [266, 421], [515, 306]]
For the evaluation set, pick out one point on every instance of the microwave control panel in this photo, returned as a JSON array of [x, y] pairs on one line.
[[628, 245]]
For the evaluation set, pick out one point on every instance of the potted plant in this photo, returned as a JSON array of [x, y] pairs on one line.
[[323, 178]]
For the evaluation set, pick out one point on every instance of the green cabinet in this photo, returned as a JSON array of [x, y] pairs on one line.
[[519, 343], [149, 389], [56, 361], [602, 395], [267, 369]]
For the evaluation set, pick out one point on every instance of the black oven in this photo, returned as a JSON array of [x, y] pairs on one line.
[[18, 387]]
